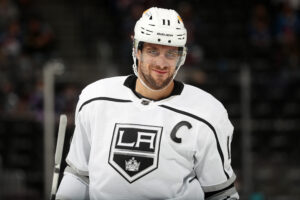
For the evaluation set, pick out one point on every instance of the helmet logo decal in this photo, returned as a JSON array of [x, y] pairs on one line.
[[165, 34], [179, 18], [148, 14]]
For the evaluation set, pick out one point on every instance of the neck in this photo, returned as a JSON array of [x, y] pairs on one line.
[[153, 94]]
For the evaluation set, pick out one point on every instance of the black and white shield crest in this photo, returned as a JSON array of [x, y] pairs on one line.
[[134, 150]]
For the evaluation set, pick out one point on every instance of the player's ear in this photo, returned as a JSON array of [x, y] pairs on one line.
[[138, 54]]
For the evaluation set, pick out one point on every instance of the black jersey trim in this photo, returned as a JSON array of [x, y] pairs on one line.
[[103, 99], [130, 82], [209, 125], [209, 194]]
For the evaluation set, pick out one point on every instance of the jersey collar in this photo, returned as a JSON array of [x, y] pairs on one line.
[[130, 82]]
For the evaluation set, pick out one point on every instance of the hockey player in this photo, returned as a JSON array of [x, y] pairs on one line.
[[148, 136]]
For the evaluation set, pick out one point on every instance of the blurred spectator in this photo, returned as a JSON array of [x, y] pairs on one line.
[[36, 101], [127, 25], [9, 97], [67, 99], [123, 4], [39, 39], [11, 40], [260, 31], [287, 31], [191, 71], [8, 12], [186, 12], [25, 9], [25, 44], [191, 22], [287, 24]]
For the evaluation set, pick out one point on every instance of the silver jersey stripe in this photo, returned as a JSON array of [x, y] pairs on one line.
[[78, 171], [85, 179], [221, 186]]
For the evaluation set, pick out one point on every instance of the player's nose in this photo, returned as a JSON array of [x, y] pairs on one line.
[[161, 61]]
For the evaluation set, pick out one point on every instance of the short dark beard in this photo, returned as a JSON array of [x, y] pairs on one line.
[[150, 82]]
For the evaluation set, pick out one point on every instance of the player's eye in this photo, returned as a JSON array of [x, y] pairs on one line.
[[172, 54], [152, 52]]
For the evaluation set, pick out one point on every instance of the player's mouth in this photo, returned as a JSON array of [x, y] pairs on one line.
[[159, 71]]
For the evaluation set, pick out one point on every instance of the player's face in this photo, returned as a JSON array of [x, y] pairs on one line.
[[157, 64]]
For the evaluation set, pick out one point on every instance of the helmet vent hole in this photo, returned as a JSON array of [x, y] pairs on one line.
[[158, 39], [178, 21], [169, 41], [149, 31], [168, 22], [150, 17]]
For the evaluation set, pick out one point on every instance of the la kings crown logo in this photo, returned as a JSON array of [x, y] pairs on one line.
[[134, 150]]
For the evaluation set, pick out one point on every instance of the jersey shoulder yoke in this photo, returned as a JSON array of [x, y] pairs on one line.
[[109, 87]]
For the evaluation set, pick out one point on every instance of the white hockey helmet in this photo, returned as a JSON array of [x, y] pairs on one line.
[[160, 26]]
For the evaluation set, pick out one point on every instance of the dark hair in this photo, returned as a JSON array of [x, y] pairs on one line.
[[140, 46]]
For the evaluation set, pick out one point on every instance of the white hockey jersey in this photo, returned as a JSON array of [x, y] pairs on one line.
[[135, 148]]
